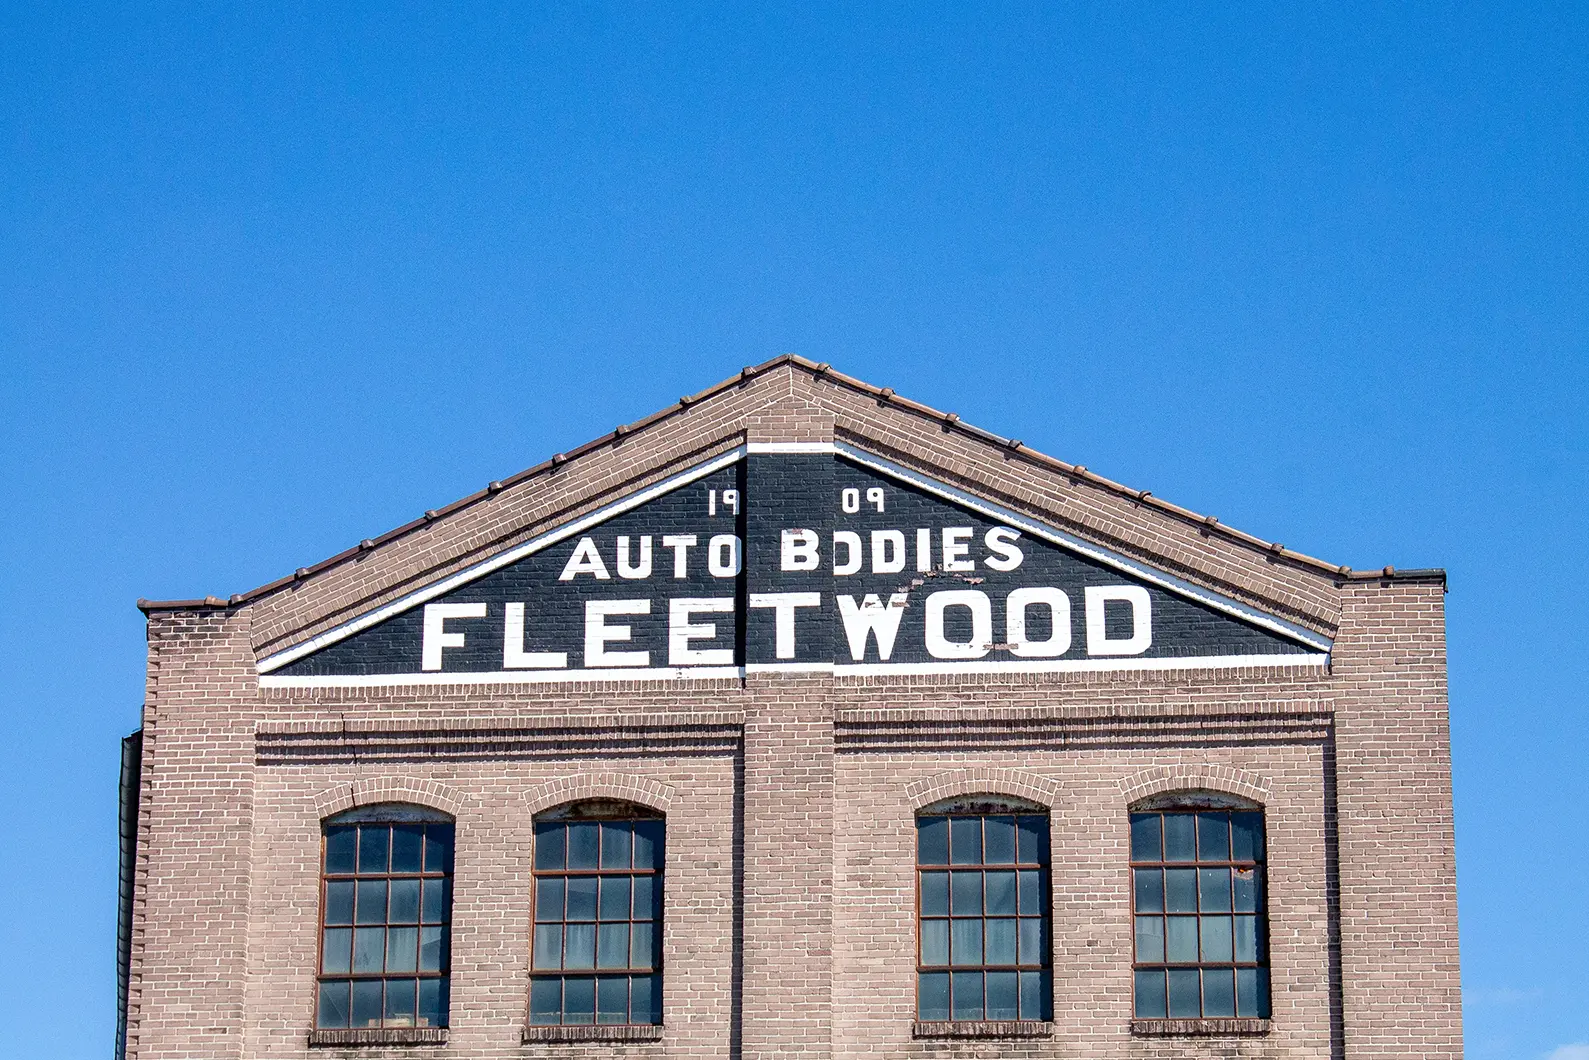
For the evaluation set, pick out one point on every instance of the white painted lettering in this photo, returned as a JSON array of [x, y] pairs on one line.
[[1001, 539], [870, 617], [681, 631], [973, 600], [1141, 639], [955, 546], [852, 552], [798, 550], [642, 569], [514, 657], [783, 605], [585, 560], [1058, 604], [436, 637], [722, 555], [888, 551], [598, 634], [924, 549], [680, 544]]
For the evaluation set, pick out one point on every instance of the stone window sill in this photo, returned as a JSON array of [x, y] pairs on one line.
[[1161, 1028], [982, 1029], [589, 1032], [380, 1036]]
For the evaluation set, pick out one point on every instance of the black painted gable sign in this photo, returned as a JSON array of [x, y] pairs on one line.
[[794, 557]]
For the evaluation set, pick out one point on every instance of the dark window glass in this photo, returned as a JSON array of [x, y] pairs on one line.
[[598, 908], [384, 910], [1191, 869], [983, 897]]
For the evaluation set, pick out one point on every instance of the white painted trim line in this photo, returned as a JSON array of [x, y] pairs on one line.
[[508, 677], [790, 447], [1129, 566], [1207, 662], [500, 560]]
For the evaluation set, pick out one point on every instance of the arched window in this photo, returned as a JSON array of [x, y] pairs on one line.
[[385, 907], [982, 899], [1197, 867], [597, 951]]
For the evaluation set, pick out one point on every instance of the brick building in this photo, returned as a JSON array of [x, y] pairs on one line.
[[797, 719]]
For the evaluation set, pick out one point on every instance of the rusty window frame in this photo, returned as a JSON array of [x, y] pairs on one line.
[[1038, 967], [602, 814], [1254, 1000], [430, 987]]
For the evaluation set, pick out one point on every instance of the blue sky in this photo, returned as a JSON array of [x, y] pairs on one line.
[[272, 281]]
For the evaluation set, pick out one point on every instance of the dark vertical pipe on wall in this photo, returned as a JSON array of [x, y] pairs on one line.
[[127, 820]]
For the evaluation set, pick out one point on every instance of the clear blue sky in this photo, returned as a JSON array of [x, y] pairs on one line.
[[272, 281]]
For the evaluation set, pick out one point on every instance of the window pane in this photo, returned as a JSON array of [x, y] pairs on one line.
[[615, 898], [1149, 890], [612, 999], [1246, 833], [1145, 837], [1216, 938], [966, 899], [965, 942], [640, 946], [644, 904], [967, 995], [998, 833], [405, 902], [433, 1002], [1246, 938], [372, 848], [1150, 995], [1150, 939], [965, 840], [333, 1005], [1183, 991], [1180, 890], [1252, 992], [402, 950], [340, 846], [339, 901], [579, 946], [549, 846], [372, 902], [366, 1003], [546, 1001], [612, 945], [1032, 941], [1219, 996], [935, 894], [1003, 996], [1179, 840], [369, 949], [336, 951], [1000, 943], [1213, 890], [648, 844], [583, 851], [438, 848], [1031, 891], [548, 898], [1032, 1006], [1246, 890], [435, 905], [1001, 894], [1213, 837], [935, 942], [548, 950], [645, 999], [400, 1002], [616, 844], [932, 996], [408, 847], [1180, 939], [582, 897], [1033, 839], [432, 949], [932, 840], [579, 1000]]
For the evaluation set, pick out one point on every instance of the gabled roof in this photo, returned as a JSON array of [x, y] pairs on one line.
[[1014, 449]]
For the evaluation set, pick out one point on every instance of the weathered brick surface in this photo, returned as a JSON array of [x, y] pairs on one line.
[[789, 924]]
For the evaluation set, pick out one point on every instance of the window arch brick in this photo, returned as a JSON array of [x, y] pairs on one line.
[[1200, 776], [367, 791], [982, 781], [574, 787]]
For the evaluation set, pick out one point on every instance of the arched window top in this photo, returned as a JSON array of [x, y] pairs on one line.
[[389, 813], [982, 804], [599, 810], [1195, 799]]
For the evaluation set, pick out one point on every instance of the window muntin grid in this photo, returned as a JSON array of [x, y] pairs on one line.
[[982, 903], [385, 911], [1200, 936], [596, 954]]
